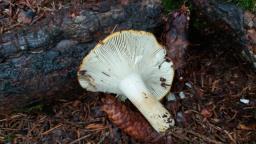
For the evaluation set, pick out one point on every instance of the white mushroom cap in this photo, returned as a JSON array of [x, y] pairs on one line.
[[121, 54]]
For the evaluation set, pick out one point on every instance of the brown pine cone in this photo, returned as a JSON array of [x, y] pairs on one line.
[[132, 123]]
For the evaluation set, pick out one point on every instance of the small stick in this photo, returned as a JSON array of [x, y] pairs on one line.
[[230, 136], [81, 138], [114, 29], [203, 137], [47, 132], [12, 117], [180, 137]]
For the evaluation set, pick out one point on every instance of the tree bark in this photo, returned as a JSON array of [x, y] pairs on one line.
[[40, 62], [234, 23]]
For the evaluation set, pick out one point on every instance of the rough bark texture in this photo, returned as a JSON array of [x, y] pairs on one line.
[[131, 122], [175, 36], [41, 61], [233, 22]]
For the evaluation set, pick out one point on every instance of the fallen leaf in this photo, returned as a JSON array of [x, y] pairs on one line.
[[247, 127], [95, 126], [206, 113]]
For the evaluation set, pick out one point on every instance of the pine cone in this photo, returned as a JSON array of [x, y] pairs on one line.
[[132, 123]]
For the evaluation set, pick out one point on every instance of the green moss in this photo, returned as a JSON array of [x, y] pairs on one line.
[[170, 5], [9, 138], [31, 109], [244, 4], [37, 107]]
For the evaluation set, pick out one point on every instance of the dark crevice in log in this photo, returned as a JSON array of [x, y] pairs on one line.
[[236, 26]]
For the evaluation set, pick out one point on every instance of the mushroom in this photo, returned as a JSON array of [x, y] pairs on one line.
[[131, 63]]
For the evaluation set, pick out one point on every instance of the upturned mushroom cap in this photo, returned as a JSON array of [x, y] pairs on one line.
[[121, 54]]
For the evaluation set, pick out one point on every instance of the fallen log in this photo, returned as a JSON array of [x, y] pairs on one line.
[[40, 62], [235, 24]]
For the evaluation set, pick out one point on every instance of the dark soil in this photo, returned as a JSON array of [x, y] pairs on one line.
[[214, 82]]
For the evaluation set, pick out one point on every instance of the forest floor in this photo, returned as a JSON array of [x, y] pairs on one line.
[[214, 101]]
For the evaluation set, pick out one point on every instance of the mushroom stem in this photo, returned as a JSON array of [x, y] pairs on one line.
[[135, 90]]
